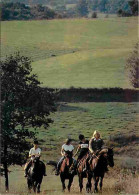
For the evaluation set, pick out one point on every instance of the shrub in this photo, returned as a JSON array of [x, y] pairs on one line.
[[94, 15], [132, 68]]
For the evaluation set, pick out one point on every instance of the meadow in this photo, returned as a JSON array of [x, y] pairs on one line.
[[80, 53], [111, 119], [74, 52]]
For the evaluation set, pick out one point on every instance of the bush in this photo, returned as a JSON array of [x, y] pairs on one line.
[[94, 15], [122, 13], [132, 68]]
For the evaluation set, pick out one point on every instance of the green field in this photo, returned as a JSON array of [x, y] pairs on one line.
[[74, 118], [71, 119], [74, 52], [80, 53]]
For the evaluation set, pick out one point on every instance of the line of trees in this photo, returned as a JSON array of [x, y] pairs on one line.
[[13, 10], [20, 11], [122, 7]]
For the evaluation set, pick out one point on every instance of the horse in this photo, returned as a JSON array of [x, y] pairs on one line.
[[97, 168], [35, 175], [66, 170], [82, 174]]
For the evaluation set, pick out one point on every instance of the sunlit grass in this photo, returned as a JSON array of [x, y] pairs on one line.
[[74, 52]]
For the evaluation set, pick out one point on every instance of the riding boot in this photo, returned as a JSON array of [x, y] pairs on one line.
[[27, 168], [73, 168], [58, 168], [85, 168]]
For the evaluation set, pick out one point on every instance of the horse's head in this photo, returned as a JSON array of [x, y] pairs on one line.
[[109, 157], [35, 160], [68, 154], [34, 166]]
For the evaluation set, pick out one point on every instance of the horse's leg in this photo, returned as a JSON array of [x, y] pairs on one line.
[[29, 185], [63, 182], [89, 184], [96, 179], [34, 186], [80, 182], [38, 188], [101, 183], [70, 182]]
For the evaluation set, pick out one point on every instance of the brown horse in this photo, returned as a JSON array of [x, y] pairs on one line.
[[97, 168], [81, 174], [66, 172]]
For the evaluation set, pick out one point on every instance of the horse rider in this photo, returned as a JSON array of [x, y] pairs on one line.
[[67, 147], [83, 148], [96, 144], [34, 152]]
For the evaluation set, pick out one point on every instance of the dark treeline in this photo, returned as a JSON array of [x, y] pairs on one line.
[[96, 95], [20, 11], [13, 10]]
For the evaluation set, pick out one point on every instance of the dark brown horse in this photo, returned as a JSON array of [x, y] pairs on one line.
[[35, 175], [97, 168], [81, 174], [66, 172]]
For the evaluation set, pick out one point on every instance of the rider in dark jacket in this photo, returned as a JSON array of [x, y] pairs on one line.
[[83, 147], [96, 144]]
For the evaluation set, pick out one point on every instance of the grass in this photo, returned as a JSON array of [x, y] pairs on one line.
[[71, 119], [80, 53], [74, 52], [114, 183], [111, 119]]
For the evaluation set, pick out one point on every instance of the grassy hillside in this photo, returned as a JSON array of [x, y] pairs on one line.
[[71, 119], [77, 52], [112, 120]]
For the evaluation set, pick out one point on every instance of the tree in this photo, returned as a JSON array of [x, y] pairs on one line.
[[132, 68], [94, 15], [82, 8], [25, 107], [102, 5], [94, 5], [134, 7]]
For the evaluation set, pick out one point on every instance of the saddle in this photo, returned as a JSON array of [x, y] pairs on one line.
[[66, 162]]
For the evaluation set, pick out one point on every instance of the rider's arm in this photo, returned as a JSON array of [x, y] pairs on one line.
[[30, 153], [90, 146], [78, 149], [62, 152]]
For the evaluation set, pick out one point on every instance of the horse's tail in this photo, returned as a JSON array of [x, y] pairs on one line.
[[52, 163]]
